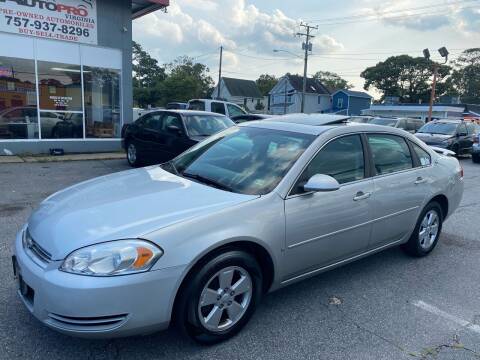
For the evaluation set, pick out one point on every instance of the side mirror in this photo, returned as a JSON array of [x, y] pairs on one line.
[[321, 182], [174, 129]]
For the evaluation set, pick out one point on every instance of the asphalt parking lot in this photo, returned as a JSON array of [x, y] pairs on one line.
[[388, 306]]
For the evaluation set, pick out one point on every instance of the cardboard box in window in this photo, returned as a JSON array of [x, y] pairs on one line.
[[102, 130]]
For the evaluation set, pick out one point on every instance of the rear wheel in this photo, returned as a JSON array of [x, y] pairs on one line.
[[427, 231], [132, 155], [220, 297]]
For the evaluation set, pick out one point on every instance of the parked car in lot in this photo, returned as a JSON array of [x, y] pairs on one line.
[[454, 135], [361, 119], [221, 107], [410, 125], [250, 117], [161, 135], [200, 239]]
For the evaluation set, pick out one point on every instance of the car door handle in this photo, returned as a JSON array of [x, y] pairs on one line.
[[362, 196], [420, 180]]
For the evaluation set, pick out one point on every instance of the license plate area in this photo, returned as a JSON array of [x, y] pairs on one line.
[[27, 293]]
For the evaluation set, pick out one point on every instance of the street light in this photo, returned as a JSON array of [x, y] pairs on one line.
[[444, 54], [286, 51]]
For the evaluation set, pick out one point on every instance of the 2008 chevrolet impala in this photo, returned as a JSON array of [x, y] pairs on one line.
[[198, 240]]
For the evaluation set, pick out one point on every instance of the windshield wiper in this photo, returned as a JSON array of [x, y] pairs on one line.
[[207, 181]]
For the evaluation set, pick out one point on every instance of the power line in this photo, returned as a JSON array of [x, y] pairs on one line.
[[380, 13]]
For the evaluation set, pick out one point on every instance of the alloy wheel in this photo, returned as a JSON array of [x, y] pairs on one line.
[[225, 299], [132, 153], [429, 229]]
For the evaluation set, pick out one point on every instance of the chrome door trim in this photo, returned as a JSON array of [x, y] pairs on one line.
[[351, 227], [312, 272]]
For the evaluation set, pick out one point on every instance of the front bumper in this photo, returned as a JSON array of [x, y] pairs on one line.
[[96, 307]]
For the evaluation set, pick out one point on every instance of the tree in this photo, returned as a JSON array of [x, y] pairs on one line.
[[407, 77], [186, 80], [147, 76], [332, 80], [466, 76], [265, 83]]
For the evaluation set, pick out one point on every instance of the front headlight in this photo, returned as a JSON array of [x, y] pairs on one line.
[[118, 257]]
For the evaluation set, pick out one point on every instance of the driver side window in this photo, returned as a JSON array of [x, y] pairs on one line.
[[341, 158]]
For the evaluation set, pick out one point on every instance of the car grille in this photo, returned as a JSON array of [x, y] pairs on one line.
[[36, 250], [100, 323]]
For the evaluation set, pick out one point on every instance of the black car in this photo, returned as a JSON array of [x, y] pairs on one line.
[[159, 136], [249, 117], [454, 135], [176, 106]]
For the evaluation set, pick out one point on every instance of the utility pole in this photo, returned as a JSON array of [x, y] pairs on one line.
[[432, 95], [307, 46], [220, 72]]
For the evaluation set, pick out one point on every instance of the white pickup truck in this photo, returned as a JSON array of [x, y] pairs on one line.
[[221, 107]]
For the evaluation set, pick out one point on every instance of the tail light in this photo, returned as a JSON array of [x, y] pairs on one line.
[[461, 172]]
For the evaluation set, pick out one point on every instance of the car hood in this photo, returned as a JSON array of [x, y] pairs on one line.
[[120, 206], [433, 138]]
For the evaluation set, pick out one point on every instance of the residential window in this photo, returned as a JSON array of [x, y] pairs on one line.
[[390, 153], [340, 103], [18, 99], [102, 102]]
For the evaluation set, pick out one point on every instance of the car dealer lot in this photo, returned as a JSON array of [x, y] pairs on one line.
[[388, 306]]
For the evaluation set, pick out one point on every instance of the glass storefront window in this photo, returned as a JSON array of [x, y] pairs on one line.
[[18, 99], [60, 87], [102, 102]]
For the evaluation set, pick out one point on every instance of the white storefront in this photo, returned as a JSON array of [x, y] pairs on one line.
[[65, 73]]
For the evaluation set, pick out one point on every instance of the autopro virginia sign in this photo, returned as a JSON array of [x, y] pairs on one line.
[[67, 20]]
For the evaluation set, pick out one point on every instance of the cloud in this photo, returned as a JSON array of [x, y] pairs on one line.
[[195, 27], [409, 15]]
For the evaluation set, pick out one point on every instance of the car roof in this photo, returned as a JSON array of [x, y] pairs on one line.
[[316, 124]]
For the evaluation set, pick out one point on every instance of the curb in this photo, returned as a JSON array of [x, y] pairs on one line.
[[69, 157]]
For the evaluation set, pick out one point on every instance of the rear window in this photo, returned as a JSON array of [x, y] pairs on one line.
[[384, 122], [196, 105], [218, 108], [439, 128], [206, 125]]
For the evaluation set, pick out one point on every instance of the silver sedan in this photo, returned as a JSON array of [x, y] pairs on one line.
[[197, 241]]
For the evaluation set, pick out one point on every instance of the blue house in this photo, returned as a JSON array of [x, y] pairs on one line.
[[350, 102]]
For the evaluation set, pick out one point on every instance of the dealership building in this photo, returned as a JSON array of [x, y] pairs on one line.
[[66, 73]]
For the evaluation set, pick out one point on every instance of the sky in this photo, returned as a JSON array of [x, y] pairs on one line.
[[351, 35]]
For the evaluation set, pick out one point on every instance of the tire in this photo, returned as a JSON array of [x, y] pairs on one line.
[[204, 299], [133, 157], [475, 158], [419, 245], [456, 150]]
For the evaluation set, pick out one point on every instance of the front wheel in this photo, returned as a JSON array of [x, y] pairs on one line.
[[427, 231], [132, 155], [220, 297]]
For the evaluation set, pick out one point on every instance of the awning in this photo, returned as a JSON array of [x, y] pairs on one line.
[[144, 7]]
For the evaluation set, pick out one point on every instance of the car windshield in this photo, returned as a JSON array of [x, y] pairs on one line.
[[384, 122], [244, 160], [206, 125], [439, 128]]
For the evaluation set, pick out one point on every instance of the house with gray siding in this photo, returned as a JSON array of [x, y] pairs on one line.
[[286, 96]]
